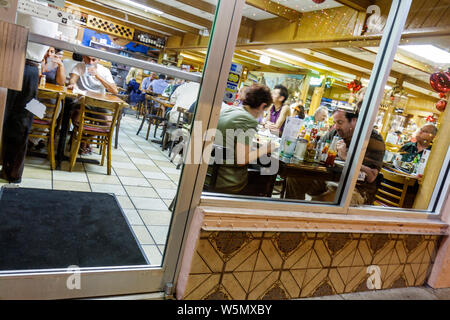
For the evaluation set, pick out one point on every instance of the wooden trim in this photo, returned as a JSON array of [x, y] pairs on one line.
[[230, 219]]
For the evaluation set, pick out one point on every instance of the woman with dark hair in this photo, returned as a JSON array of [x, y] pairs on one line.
[[279, 111], [235, 131], [53, 67]]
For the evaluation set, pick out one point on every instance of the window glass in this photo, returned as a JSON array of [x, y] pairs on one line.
[[298, 77], [131, 151], [413, 118]]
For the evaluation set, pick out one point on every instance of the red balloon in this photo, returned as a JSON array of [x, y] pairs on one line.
[[318, 1], [440, 81], [440, 105]]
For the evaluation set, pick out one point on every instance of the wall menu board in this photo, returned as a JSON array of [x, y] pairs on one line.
[[47, 12], [149, 39], [110, 27], [57, 3]]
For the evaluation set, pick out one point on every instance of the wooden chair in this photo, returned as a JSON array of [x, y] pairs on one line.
[[177, 134], [392, 189], [45, 128], [152, 115], [94, 128]]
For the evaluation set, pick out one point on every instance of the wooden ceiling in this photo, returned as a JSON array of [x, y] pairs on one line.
[[292, 27]]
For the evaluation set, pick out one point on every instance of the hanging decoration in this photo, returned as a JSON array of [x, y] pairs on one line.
[[440, 82], [431, 119], [354, 86]]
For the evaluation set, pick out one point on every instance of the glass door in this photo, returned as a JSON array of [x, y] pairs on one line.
[[151, 189]]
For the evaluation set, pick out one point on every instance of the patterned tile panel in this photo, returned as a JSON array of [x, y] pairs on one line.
[[289, 265]]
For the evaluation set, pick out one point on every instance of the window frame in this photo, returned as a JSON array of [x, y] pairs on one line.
[[388, 47]]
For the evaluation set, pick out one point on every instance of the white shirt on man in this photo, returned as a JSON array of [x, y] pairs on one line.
[[184, 96], [87, 82]]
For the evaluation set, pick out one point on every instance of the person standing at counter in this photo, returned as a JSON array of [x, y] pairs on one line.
[[233, 178], [424, 138], [279, 111], [18, 120]]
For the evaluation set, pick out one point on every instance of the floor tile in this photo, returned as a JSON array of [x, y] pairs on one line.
[[35, 183], [137, 155], [71, 186], [166, 193], [142, 234], [148, 168], [131, 181], [95, 168], [143, 161], [166, 184], [123, 165], [133, 217], [128, 173], [125, 202], [37, 173], [69, 176], [159, 233], [153, 254], [116, 189], [155, 175], [143, 192], [150, 217], [148, 203], [102, 178], [170, 170]]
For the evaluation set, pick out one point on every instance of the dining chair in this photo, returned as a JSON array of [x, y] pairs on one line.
[[392, 189], [46, 128], [177, 134], [95, 126], [152, 114]]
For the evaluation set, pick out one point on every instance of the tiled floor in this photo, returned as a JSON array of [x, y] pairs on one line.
[[142, 178]]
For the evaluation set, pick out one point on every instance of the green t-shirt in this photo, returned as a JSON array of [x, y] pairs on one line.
[[235, 125]]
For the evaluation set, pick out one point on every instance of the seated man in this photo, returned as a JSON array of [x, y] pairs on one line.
[[89, 76], [366, 185], [424, 138]]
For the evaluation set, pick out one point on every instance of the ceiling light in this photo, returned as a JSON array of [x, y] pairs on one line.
[[264, 59], [287, 55], [428, 52], [140, 6]]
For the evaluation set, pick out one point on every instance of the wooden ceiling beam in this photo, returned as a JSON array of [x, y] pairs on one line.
[[108, 12], [182, 14], [369, 65], [146, 15], [359, 5]]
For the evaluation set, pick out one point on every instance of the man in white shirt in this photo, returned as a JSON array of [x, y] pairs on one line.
[[89, 75], [18, 121], [184, 96]]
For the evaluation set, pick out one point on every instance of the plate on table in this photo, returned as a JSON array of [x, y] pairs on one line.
[[339, 162]]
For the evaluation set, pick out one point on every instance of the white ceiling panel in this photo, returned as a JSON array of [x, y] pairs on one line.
[[308, 5]]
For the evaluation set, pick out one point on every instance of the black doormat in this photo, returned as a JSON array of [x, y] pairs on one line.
[[47, 229]]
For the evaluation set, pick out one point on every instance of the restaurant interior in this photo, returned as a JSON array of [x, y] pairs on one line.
[[322, 52]]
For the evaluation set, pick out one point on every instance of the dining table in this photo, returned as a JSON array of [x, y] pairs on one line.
[[68, 108]]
